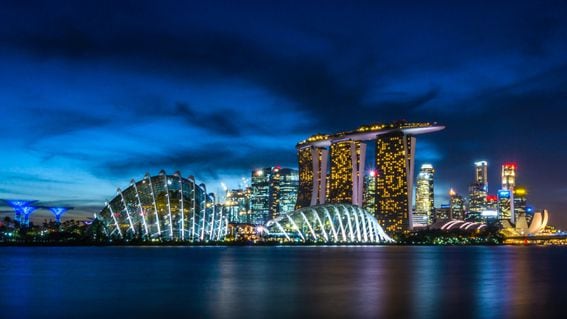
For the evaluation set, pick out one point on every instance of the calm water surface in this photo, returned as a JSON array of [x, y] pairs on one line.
[[299, 282]]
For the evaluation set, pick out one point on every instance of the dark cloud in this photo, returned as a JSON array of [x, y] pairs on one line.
[[206, 162]]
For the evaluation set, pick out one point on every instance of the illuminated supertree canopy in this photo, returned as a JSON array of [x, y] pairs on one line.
[[58, 212], [22, 208]]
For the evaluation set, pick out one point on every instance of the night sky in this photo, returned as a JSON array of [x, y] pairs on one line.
[[94, 94]]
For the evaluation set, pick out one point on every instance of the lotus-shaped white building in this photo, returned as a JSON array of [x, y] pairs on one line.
[[327, 224], [169, 207], [537, 225]]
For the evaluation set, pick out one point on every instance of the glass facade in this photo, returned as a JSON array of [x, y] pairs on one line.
[[505, 205], [369, 198], [289, 183], [457, 204], [168, 207], [237, 205], [424, 196], [274, 190], [261, 200], [441, 213], [478, 191], [508, 176], [521, 202], [327, 224]]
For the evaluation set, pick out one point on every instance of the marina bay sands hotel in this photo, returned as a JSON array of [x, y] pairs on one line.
[[343, 181]]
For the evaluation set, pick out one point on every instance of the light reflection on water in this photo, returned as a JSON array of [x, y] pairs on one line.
[[353, 282]]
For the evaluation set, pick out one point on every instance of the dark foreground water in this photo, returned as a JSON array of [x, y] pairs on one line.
[[299, 282]]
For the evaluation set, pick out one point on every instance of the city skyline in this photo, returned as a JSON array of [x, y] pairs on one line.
[[92, 102]]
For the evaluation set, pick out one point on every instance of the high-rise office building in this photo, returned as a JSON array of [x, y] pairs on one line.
[[508, 176], [521, 202], [288, 186], [441, 213], [424, 196], [369, 197], [492, 202], [237, 206], [274, 191], [261, 199], [457, 205], [506, 194], [394, 184], [505, 205], [347, 172], [481, 174], [478, 191]]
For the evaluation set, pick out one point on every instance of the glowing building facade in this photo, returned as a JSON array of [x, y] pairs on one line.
[[369, 195], [274, 190], [441, 213], [289, 183], [262, 198], [395, 151], [395, 154], [478, 191], [457, 205], [521, 202], [237, 205], [347, 172], [508, 176], [506, 205], [313, 163], [424, 196], [167, 207]]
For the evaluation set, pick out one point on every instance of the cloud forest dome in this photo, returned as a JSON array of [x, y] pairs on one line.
[[168, 207], [341, 223]]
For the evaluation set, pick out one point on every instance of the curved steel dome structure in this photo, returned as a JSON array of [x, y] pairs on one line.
[[340, 223], [168, 207]]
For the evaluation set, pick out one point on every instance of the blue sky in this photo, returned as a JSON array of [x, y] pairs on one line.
[[93, 94]]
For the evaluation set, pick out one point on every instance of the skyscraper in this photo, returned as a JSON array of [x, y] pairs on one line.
[[478, 190], [369, 197], [312, 175], [506, 205], [394, 165], [347, 172], [457, 205], [288, 185], [521, 202], [237, 205], [260, 199], [424, 196], [441, 213], [274, 191], [506, 195], [508, 176], [481, 174]]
